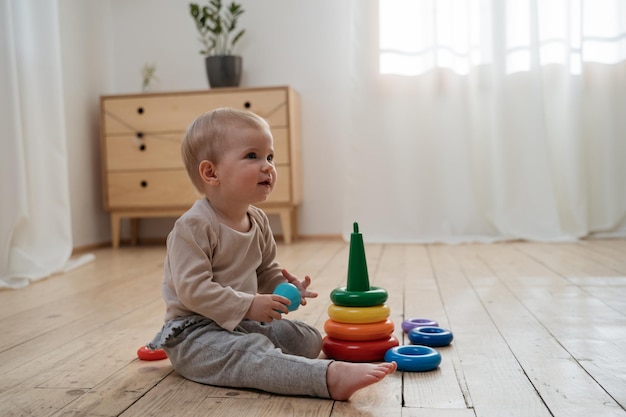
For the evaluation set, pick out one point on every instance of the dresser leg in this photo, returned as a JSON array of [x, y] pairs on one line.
[[293, 215], [287, 223], [116, 219], [134, 230]]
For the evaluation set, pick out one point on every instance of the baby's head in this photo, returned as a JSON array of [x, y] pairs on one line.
[[207, 138]]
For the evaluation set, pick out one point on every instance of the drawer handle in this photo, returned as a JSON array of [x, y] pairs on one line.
[[142, 147], [247, 104], [140, 135], [140, 110], [144, 184]]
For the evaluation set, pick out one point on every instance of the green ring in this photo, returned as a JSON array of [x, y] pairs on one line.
[[372, 297]]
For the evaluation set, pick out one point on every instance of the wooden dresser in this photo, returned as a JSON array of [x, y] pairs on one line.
[[143, 173]]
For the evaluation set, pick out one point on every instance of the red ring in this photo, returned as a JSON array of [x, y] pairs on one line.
[[349, 351], [359, 332], [146, 354]]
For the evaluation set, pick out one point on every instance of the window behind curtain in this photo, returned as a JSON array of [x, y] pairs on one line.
[[418, 35]]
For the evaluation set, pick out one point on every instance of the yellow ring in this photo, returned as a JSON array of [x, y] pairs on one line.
[[358, 314]]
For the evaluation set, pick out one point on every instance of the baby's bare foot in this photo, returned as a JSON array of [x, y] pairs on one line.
[[346, 378]]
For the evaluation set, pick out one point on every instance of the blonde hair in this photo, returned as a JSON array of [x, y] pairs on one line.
[[207, 137]]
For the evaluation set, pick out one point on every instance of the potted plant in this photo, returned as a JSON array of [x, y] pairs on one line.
[[218, 34]]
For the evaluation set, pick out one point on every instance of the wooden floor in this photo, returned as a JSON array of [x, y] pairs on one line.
[[539, 330]]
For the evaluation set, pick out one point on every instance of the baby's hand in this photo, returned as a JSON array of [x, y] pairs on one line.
[[267, 307], [300, 285]]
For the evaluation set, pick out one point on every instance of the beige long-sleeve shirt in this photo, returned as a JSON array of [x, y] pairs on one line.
[[215, 271]]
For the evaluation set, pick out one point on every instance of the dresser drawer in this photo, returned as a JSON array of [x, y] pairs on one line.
[[150, 188], [168, 113], [158, 151], [281, 146], [153, 151], [172, 188], [282, 189]]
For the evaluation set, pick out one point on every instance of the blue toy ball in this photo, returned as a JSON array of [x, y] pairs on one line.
[[290, 292]]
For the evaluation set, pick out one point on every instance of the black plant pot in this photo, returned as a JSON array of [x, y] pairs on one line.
[[223, 70]]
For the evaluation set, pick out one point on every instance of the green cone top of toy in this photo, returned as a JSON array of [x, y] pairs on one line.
[[358, 292], [358, 278]]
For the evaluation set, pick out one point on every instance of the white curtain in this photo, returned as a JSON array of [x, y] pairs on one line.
[[483, 120], [35, 226]]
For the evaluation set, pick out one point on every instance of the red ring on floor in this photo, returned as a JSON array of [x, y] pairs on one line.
[[350, 351], [146, 354], [359, 332]]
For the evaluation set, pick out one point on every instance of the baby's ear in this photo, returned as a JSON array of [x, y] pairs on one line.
[[207, 172]]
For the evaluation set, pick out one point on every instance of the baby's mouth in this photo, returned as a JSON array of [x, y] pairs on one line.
[[267, 183]]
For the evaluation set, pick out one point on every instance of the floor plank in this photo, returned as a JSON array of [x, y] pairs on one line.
[[589, 330], [437, 412], [564, 386], [444, 387], [496, 381]]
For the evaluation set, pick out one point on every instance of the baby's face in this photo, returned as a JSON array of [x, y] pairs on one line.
[[246, 171]]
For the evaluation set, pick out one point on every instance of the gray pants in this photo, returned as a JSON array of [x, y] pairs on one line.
[[278, 357]]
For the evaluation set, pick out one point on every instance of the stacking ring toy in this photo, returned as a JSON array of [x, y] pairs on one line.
[[372, 297], [430, 336], [371, 351], [414, 358], [409, 324], [359, 332], [290, 292], [358, 314], [146, 354]]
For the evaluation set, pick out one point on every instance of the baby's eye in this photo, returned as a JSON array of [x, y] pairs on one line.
[[270, 158], [251, 155]]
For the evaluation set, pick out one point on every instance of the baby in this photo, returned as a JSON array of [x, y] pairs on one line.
[[223, 324]]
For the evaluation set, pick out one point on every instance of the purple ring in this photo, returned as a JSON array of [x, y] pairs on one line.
[[409, 324]]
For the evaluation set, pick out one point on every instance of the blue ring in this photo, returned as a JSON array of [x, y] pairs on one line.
[[414, 358], [430, 336]]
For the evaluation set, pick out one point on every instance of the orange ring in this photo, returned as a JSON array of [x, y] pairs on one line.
[[358, 314], [359, 332], [371, 351]]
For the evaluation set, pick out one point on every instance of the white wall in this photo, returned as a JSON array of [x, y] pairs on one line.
[[84, 44], [299, 43]]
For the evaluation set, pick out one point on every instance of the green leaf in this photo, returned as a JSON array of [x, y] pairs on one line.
[[194, 10], [215, 26], [237, 37]]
